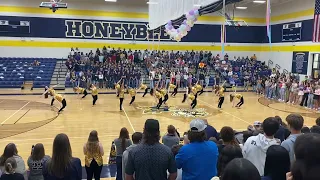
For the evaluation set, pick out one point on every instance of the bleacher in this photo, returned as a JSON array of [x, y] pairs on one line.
[[15, 71], [236, 65]]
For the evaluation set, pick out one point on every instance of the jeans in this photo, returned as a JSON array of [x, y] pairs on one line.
[[283, 94], [151, 84], [138, 83], [119, 167], [93, 171], [246, 85], [271, 93], [310, 101], [167, 83], [207, 82]]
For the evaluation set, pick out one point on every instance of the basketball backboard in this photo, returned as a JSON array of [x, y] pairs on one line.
[[53, 5], [236, 23]]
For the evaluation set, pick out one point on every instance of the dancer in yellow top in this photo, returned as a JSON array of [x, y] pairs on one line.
[[220, 93], [175, 89], [199, 88], [192, 94], [58, 97], [132, 93], [117, 86], [238, 96], [164, 93], [94, 93], [80, 90], [158, 95]]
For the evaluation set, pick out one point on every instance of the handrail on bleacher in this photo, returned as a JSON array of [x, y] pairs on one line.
[[285, 71], [270, 62], [278, 67]]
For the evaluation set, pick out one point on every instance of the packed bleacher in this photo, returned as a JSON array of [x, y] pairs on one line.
[[15, 71], [106, 66], [273, 149]]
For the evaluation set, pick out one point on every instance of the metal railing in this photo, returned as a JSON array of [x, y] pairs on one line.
[[270, 62]]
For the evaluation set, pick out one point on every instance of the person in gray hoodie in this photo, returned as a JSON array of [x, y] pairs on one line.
[[255, 148], [11, 151], [295, 123], [136, 139]]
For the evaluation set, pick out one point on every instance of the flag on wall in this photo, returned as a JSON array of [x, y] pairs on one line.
[[223, 37], [316, 22], [268, 16]]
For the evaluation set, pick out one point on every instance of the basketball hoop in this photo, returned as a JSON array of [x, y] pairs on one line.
[[53, 5]]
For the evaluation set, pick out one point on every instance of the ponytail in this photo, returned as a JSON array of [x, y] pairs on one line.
[[9, 168], [10, 165]]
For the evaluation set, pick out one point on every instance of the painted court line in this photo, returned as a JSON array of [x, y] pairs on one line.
[[128, 119], [225, 112], [15, 112], [38, 139]]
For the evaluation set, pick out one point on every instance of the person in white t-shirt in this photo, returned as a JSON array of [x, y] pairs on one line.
[[255, 148]]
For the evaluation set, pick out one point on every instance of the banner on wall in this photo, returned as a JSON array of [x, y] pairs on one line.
[[300, 62]]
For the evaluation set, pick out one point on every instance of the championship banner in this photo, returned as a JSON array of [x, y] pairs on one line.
[[300, 62]]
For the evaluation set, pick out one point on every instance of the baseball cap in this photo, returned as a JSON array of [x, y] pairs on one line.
[[257, 123], [197, 125], [151, 125]]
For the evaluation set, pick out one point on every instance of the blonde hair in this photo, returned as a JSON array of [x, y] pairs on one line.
[[10, 165]]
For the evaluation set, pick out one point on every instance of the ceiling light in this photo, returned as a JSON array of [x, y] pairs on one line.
[[259, 1], [152, 3], [110, 0], [239, 7]]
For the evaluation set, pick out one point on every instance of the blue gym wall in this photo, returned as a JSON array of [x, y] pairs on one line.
[[57, 28]]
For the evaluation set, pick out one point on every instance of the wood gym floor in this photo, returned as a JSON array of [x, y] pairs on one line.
[[27, 118]]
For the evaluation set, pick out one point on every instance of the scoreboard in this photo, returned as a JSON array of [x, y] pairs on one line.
[[15, 27], [292, 31]]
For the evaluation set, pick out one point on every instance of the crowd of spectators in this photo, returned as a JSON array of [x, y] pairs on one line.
[[104, 67], [107, 66], [268, 150]]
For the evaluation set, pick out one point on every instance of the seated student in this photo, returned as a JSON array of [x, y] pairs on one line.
[[10, 174]]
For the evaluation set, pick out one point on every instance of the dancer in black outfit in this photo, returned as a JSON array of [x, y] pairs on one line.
[[121, 95]]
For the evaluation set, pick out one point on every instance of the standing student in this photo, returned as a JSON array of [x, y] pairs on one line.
[[136, 139], [62, 165], [150, 159], [121, 144], [295, 124], [93, 151], [255, 148], [277, 163], [94, 92], [221, 96], [10, 170], [198, 159], [10, 151], [36, 162]]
